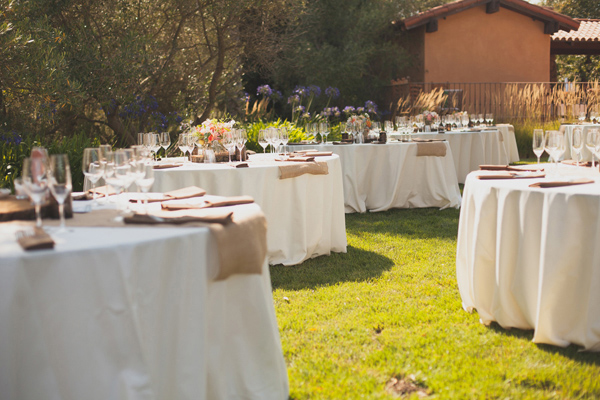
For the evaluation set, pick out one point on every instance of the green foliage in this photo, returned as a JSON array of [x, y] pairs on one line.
[[295, 133], [390, 307], [524, 134], [12, 155]]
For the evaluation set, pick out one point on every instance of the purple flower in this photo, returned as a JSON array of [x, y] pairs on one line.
[[300, 91], [300, 109], [348, 110], [293, 99], [314, 90], [332, 92], [371, 107], [360, 110], [264, 90]]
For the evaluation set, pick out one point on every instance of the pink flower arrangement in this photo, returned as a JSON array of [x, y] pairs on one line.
[[429, 116], [212, 129]]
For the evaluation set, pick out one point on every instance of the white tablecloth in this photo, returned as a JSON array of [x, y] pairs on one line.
[[529, 258], [472, 149], [305, 214], [378, 177], [509, 141], [586, 155], [129, 313]]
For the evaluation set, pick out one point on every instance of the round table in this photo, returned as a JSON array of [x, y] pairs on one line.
[[378, 177], [130, 312], [586, 155], [529, 258], [305, 214]]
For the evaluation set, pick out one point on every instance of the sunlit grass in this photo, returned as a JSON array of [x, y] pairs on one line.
[[390, 307]]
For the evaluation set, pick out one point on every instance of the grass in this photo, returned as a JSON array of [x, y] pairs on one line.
[[390, 308]]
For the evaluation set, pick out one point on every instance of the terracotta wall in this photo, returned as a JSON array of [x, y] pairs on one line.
[[473, 46]]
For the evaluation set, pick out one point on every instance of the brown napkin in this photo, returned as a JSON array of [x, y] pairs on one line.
[[292, 171], [40, 240], [297, 158], [239, 164], [522, 168], [223, 217], [343, 142], [185, 193], [552, 184], [581, 163], [510, 175], [217, 202], [101, 191], [82, 196], [421, 140], [437, 149], [165, 166], [312, 153]]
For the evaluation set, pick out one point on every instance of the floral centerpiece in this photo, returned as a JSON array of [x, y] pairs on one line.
[[209, 135], [429, 117]]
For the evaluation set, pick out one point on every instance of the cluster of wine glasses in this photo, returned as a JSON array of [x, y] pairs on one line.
[[42, 174], [120, 169], [315, 129], [153, 142], [554, 143], [234, 139], [274, 137]]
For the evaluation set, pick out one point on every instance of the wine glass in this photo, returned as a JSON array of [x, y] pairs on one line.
[[119, 179], [481, 119], [182, 143], [590, 142], [263, 140], [35, 176], [60, 184], [145, 179], [229, 142], [324, 129], [538, 144], [313, 130], [551, 144], [577, 144], [464, 118], [242, 139], [581, 113], [285, 137], [92, 167], [489, 118], [164, 140]]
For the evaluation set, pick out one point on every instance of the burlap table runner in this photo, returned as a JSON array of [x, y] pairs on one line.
[[292, 170], [241, 243], [436, 149]]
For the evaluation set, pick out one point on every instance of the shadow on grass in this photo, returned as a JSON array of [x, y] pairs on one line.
[[354, 266], [573, 351], [421, 223]]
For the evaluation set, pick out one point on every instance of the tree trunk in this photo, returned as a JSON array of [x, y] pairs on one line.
[[218, 72]]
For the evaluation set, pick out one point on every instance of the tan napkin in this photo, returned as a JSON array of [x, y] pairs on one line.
[[297, 159], [304, 151], [522, 168], [552, 184], [581, 163], [421, 140], [510, 175], [315, 153], [165, 166], [185, 193], [102, 191], [314, 168], [216, 202], [40, 240], [223, 217], [437, 149], [81, 196], [343, 142]]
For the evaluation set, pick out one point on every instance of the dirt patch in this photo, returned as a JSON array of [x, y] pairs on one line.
[[405, 386]]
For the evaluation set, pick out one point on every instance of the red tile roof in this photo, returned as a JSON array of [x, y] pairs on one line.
[[589, 31], [521, 6]]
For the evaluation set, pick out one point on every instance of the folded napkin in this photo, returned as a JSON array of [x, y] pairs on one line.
[[297, 158], [314, 168], [214, 202], [343, 142], [166, 166], [511, 175], [421, 140], [436, 149], [81, 196], [102, 191], [581, 163], [551, 184], [522, 168], [304, 151], [39, 240], [222, 217], [239, 164], [319, 153], [185, 193]]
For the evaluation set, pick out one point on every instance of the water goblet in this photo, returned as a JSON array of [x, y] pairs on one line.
[[590, 142], [60, 184], [538, 144], [35, 174], [263, 139], [285, 137], [92, 167], [164, 140], [324, 129], [242, 139], [577, 144]]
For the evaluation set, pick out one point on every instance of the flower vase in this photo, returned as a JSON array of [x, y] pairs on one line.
[[209, 154], [427, 127]]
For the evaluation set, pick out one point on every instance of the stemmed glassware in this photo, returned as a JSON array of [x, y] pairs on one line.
[[313, 130], [242, 138], [144, 178], [164, 140], [555, 145], [229, 142], [577, 144], [464, 118], [481, 119], [263, 140], [324, 129], [538, 143], [592, 137], [35, 176], [183, 142], [60, 184], [489, 118], [107, 162], [122, 171], [92, 167], [285, 137]]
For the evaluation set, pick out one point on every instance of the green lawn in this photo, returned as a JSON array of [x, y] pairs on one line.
[[390, 308]]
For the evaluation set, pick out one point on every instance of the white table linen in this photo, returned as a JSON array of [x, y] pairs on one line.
[[528, 258], [586, 155], [472, 149], [509, 141], [378, 177], [305, 214], [131, 313]]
